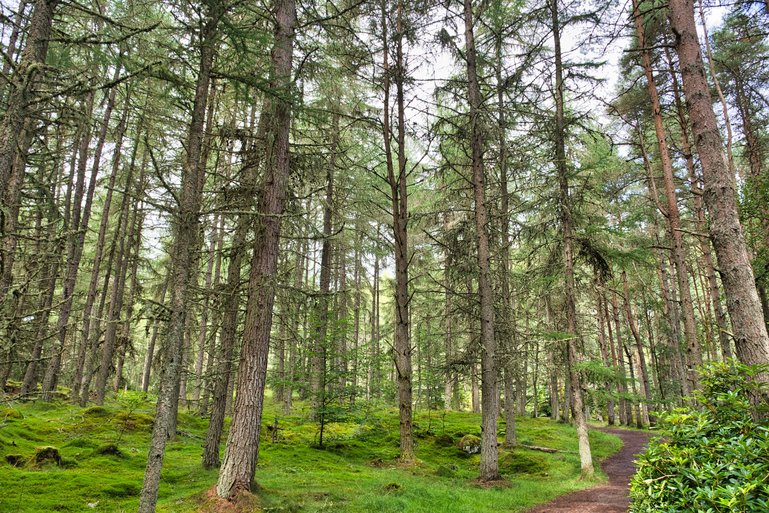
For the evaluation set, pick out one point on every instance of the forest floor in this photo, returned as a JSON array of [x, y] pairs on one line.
[[100, 454], [611, 497]]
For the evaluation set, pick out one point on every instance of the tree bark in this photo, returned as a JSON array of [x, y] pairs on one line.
[[183, 257], [693, 350], [242, 450], [743, 304], [567, 227], [489, 467]]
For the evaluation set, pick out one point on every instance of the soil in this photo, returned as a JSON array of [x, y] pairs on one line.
[[611, 497]]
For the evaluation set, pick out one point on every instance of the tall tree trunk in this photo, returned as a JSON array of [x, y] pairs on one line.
[[567, 227], [90, 299], [693, 350], [750, 333], [607, 361], [320, 342], [183, 257], [16, 134], [242, 450], [146, 372], [399, 198], [699, 212], [640, 352], [118, 286], [489, 467], [77, 226]]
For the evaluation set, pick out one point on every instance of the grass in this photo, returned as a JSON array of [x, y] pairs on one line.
[[103, 453]]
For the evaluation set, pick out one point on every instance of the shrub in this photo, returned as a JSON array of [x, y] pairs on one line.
[[713, 457]]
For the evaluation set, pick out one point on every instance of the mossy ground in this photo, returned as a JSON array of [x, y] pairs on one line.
[[103, 453]]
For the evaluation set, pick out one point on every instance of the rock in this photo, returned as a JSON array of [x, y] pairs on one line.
[[109, 450], [15, 460], [46, 454], [470, 444]]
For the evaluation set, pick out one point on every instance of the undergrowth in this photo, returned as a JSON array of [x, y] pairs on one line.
[[102, 453]]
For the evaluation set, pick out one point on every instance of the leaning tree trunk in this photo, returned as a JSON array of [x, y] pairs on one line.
[[242, 450], [489, 467], [183, 257]]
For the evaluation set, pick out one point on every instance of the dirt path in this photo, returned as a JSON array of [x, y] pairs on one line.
[[611, 497]]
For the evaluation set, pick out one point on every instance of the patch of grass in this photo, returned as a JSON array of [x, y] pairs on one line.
[[104, 453]]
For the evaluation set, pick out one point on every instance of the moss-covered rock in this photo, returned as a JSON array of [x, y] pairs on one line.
[[108, 450], [47, 454], [470, 444], [15, 460]]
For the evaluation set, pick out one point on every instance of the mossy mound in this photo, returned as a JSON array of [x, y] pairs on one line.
[[109, 450], [134, 421], [97, 411], [82, 443], [447, 470], [524, 462], [444, 441], [120, 490], [10, 413]]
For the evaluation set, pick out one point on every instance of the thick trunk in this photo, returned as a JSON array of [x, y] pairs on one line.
[[743, 304], [242, 450], [222, 392], [699, 211]]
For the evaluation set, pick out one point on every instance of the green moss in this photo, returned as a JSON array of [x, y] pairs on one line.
[[10, 413], [351, 475], [97, 411], [524, 462]]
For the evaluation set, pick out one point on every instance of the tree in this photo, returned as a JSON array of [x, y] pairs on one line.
[[742, 301]]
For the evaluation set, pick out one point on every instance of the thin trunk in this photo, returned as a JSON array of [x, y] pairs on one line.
[[489, 466], [607, 362], [118, 287], [640, 352], [567, 227], [153, 339], [85, 346], [183, 257]]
